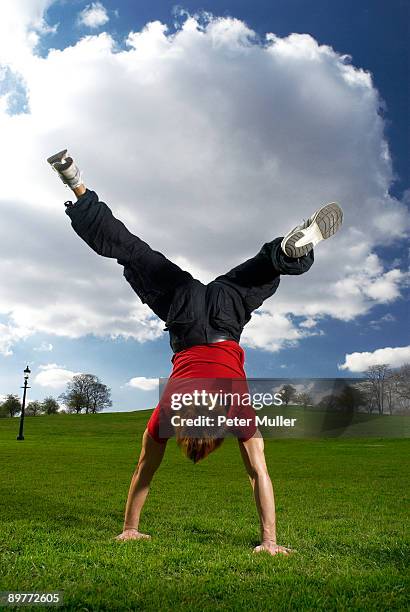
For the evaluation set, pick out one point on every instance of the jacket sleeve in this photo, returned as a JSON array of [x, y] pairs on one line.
[[94, 222]]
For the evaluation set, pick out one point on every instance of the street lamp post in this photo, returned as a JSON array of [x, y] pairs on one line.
[[27, 373]]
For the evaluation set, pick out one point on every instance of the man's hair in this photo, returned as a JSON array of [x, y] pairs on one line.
[[198, 443], [197, 448]]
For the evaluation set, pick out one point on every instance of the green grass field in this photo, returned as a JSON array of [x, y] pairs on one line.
[[341, 503]]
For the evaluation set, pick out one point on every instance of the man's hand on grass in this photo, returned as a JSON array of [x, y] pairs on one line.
[[272, 548], [132, 534]]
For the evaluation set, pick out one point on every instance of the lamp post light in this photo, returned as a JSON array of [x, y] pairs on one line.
[[27, 373]]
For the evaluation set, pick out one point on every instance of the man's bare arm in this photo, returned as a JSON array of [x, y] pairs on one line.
[[150, 459], [253, 456]]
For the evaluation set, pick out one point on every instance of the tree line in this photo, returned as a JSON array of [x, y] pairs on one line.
[[383, 390], [84, 393]]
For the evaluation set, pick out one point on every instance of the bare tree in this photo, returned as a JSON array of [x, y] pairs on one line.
[[402, 376], [376, 378], [366, 389], [390, 391], [304, 399]]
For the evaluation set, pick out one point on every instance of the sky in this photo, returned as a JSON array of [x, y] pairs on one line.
[[209, 128]]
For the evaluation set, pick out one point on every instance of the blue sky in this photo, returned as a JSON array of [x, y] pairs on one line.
[[374, 35]]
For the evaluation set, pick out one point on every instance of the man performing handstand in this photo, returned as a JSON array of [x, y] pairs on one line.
[[205, 323]]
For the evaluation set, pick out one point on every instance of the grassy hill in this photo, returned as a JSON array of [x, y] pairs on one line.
[[341, 503]]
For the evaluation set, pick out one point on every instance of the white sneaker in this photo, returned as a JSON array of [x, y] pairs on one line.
[[66, 169], [321, 225]]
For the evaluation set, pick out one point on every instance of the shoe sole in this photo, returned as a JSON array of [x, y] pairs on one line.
[[57, 157], [56, 161], [60, 162], [328, 220]]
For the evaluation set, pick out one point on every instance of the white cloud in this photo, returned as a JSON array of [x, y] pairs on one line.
[[143, 383], [377, 323], [22, 22], [54, 376], [308, 323], [94, 15], [9, 335], [44, 347], [359, 362], [221, 144], [271, 331]]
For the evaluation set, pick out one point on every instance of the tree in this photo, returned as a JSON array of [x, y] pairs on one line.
[[88, 392], [390, 391], [365, 389], [328, 402], [402, 377], [376, 379], [75, 396], [34, 408], [74, 400], [288, 393], [50, 405], [350, 398], [11, 405], [99, 396], [304, 399]]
